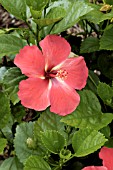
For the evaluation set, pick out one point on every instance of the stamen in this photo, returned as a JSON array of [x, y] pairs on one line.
[[62, 74]]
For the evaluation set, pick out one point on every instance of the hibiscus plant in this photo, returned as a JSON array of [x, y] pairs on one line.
[[56, 85]]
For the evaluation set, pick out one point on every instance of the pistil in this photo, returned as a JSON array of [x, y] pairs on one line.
[[62, 74]]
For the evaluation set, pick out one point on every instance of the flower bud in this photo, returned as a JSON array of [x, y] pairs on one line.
[[65, 154], [30, 143]]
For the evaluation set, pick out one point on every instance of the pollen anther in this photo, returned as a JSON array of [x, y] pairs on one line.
[[62, 74]]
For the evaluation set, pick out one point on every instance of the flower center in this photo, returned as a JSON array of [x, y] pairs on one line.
[[57, 73], [62, 74]]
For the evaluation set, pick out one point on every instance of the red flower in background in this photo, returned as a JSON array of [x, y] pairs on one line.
[[106, 154], [52, 77]]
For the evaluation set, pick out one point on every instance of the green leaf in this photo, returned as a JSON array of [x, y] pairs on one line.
[[4, 110], [64, 4], [74, 12], [106, 131], [36, 163], [96, 16], [11, 164], [10, 44], [7, 130], [109, 2], [35, 14], [11, 80], [106, 41], [90, 44], [88, 113], [24, 131], [47, 121], [3, 143], [105, 92], [2, 31], [2, 72], [105, 64], [46, 21], [17, 8], [92, 82], [55, 14], [87, 141], [38, 5], [53, 141]]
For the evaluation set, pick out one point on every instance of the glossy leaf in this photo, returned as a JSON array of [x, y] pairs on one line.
[[53, 141], [17, 8], [55, 14], [11, 80], [74, 12], [37, 4], [35, 14], [3, 143], [23, 132], [90, 44], [105, 92], [36, 163], [88, 113], [106, 131], [7, 130], [92, 82], [87, 141], [106, 41], [4, 109], [47, 121], [10, 44], [96, 16], [11, 163], [56, 4]]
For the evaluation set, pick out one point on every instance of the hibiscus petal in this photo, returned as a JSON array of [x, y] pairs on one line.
[[55, 50], [34, 93], [77, 72], [95, 168], [106, 154], [63, 99], [31, 61]]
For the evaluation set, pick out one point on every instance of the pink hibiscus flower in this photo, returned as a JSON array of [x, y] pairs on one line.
[[106, 154], [52, 77]]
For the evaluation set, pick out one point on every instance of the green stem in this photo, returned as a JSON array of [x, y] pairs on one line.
[[92, 26], [104, 2], [64, 161], [30, 28], [68, 159], [37, 35], [92, 80]]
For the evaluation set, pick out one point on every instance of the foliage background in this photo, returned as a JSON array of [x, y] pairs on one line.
[[44, 140]]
